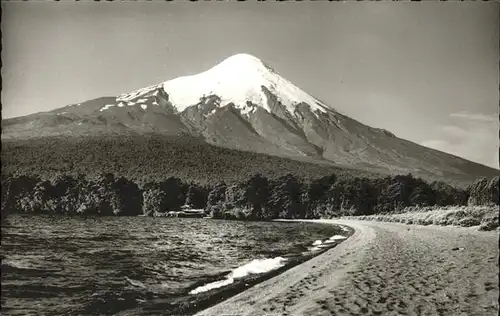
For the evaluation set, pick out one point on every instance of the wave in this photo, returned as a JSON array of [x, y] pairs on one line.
[[321, 245], [316, 248], [23, 266], [18, 264], [337, 237], [317, 242], [257, 266], [135, 283], [211, 286], [330, 241]]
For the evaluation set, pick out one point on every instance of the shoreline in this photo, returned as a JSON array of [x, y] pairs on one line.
[[383, 268], [227, 285], [296, 277]]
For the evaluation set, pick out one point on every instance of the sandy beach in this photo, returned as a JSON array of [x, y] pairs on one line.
[[384, 269]]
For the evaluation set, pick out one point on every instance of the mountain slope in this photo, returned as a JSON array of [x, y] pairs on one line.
[[244, 104]]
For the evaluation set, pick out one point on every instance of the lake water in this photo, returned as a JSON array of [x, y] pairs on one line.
[[56, 265]]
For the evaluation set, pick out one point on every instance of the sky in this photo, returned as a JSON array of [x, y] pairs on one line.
[[428, 72]]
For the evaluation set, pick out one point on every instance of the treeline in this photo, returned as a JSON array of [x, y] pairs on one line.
[[105, 195], [257, 198]]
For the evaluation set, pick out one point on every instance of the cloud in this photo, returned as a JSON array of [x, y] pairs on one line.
[[436, 144], [476, 141], [454, 131], [475, 116]]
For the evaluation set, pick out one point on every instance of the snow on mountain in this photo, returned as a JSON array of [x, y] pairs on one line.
[[239, 80]]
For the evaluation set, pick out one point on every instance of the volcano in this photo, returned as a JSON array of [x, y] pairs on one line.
[[244, 104]]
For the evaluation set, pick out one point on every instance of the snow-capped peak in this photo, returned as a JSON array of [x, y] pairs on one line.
[[239, 80]]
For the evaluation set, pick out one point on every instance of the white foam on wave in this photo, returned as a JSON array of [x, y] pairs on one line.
[[337, 237], [317, 242], [315, 248], [256, 266], [319, 245], [211, 286], [20, 264], [134, 282]]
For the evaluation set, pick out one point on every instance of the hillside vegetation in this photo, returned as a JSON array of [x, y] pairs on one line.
[[147, 158]]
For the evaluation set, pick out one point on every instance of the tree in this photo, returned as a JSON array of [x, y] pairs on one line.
[[126, 197], [394, 193], [168, 195], [314, 196], [235, 204], [19, 193], [484, 192], [285, 199], [363, 196], [215, 200], [42, 198], [422, 194], [445, 194], [196, 196], [153, 198], [256, 195]]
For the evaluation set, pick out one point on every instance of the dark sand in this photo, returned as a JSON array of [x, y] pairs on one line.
[[384, 269]]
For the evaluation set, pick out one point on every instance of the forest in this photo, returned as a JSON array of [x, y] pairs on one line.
[[254, 198], [151, 158]]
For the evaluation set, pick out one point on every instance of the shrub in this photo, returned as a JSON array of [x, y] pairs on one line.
[[490, 222], [468, 222]]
